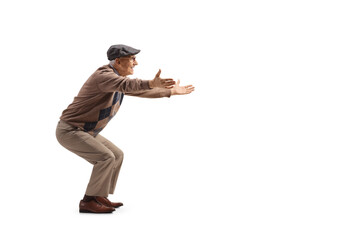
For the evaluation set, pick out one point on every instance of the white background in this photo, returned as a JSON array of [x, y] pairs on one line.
[[267, 147]]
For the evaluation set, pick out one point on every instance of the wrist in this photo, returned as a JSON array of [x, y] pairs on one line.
[[173, 92]]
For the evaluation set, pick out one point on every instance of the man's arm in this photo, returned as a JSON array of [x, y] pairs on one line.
[[151, 93], [162, 92], [109, 81]]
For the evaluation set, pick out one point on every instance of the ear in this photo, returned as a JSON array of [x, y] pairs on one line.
[[117, 60]]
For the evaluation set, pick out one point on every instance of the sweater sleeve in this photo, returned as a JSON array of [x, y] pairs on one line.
[[151, 93], [108, 81]]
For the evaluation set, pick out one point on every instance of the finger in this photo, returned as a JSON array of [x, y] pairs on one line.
[[158, 73], [167, 86], [167, 82]]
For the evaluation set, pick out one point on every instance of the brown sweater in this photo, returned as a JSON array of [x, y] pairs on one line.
[[100, 98]]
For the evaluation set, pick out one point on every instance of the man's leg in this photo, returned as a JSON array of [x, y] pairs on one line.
[[119, 156], [92, 150]]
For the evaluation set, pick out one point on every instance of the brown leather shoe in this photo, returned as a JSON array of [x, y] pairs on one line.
[[94, 207], [106, 202], [115, 204]]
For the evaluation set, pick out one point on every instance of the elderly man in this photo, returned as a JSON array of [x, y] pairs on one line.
[[95, 105]]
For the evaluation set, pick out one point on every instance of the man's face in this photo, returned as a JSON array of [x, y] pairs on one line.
[[126, 65]]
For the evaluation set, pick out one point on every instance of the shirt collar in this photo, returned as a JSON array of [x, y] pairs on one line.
[[114, 69]]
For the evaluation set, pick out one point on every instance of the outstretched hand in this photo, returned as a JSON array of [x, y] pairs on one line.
[[181, 90], [161, 82]]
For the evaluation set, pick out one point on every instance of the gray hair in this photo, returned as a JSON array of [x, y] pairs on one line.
[[112, 62]]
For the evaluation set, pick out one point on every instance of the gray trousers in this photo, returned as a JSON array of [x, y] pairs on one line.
[[103, 154]]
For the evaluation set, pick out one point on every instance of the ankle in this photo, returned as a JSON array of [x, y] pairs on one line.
[[88, 198]]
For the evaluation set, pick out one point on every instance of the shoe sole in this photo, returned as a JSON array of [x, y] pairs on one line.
[[86, 211]]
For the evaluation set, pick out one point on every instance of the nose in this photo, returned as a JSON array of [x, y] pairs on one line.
[[135, 62]]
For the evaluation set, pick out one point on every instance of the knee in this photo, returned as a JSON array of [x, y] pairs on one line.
[[109, 157], [119, 155]]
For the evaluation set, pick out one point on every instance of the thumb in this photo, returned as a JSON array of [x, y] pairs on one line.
[[178, 82], [158, 73]]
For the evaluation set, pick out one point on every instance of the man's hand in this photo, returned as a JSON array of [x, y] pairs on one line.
[[181, 90], [161, 82]]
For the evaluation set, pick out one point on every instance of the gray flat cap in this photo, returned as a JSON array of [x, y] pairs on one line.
[[120, 50]]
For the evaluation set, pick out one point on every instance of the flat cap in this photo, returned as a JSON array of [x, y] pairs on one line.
[[120, 50]]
